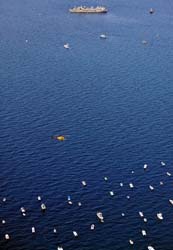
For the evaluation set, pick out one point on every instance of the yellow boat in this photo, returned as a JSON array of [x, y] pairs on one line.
[[59, 137]]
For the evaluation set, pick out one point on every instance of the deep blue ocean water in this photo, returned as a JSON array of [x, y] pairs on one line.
[[113, 101]]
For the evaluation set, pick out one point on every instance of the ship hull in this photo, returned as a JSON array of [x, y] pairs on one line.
[[88, 11]]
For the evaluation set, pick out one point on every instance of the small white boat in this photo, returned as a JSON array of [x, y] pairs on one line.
[[121, 184], [22, 209], [144, 233], [141, 214], [131, 242], [39, 198], [43, 207], [66, 46], [70, 202], [4, 199], [122, 214], [162, 163], [128, 196], [168, 173], [7, 237], [103, 36], [105, 178], [144, 42], [160, 216], [75, 234], [79, 204], [151, 11], [171, 201], [145, 220], [151, 248], [161, 182], [59, 248], [92, 227], [131, 185], [151, 187], [33, 230], [111, 193], [84, 183], [145, 165], [54, 230], [3, 221], [100, 216]]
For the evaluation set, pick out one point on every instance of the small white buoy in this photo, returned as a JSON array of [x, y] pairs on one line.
[[131, 185], [92, 227], [131, 242], [79, 204], [141, 214], [105, 178], [168, 173], [3, 221], [7, 237], [145, 219], [151, 187], [121, 184], [39, 198], [144, 233], [171, 201], [151, 248], [160, 216], [84, 183], [162, 163], [54, 230], [111, 193], [75, 234], [145, 166], [33, 230]]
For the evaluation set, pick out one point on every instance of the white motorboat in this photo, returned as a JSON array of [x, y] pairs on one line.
[[103, 36], [160, 216], [171, 201], [75, 234], [66, 46], [100, 216]]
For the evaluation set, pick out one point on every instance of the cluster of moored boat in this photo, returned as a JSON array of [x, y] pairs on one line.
[[99, 214]]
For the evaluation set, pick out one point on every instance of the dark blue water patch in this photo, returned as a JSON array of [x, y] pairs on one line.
[[111, 99]]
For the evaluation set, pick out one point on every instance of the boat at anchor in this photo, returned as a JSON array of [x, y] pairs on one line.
[[84, 9]]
